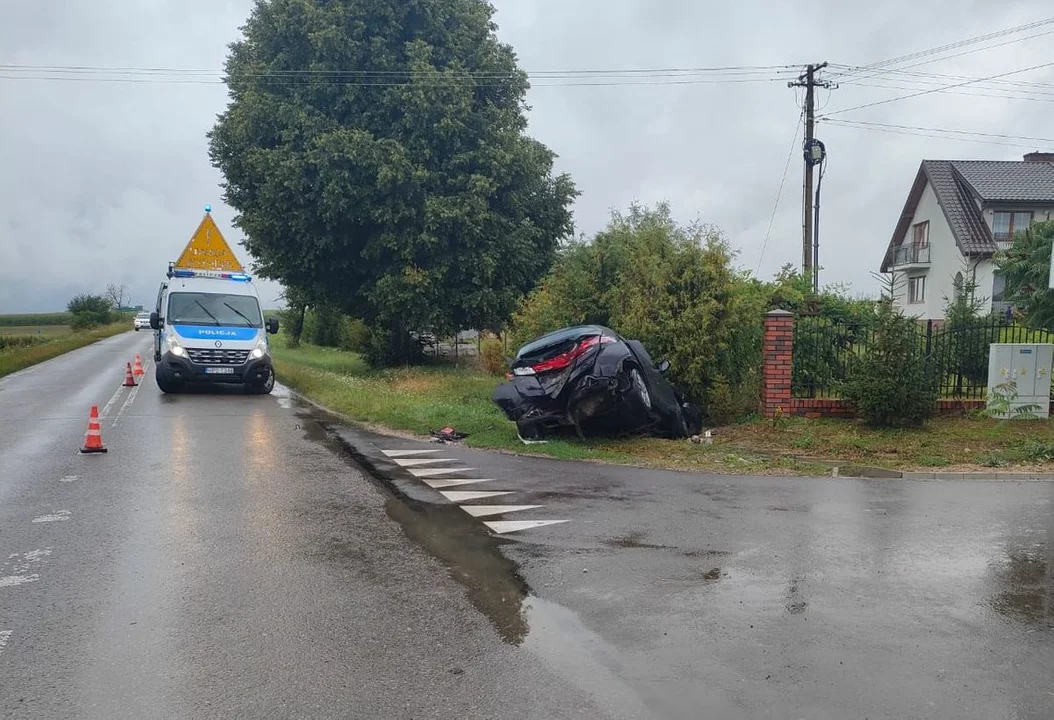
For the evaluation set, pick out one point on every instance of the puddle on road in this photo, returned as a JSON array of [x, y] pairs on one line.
[[468, 551], [580, 655], [1026, 587]]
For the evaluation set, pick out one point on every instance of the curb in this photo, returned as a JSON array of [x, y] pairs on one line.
[[984, 476]]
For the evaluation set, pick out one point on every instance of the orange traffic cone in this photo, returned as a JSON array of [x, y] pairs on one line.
[[93, 438], [129, 379], [137, 368]]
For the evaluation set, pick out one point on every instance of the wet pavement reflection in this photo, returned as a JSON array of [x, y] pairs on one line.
[[742, 597]]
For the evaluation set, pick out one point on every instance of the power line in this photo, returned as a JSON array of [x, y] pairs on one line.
[[924, 77], [892, 130], [392, 78], [939, 89], [959, 94], [951, 46], [89, 70], [945, 130], [850, 69], [452, 83], [779, 193]]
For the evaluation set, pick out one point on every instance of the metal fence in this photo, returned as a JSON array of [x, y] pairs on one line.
[[825, 353]]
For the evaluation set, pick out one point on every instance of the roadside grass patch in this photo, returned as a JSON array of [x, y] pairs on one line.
[[962, 442], [419, 400], [422, 399], [18, 357]]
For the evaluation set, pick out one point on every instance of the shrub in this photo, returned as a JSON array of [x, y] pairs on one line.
[[672, 287], [492, 357], [891, 384], [354, 335], [89, 311], [292, 323]]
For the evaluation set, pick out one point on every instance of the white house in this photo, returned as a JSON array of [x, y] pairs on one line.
[[958, 213]]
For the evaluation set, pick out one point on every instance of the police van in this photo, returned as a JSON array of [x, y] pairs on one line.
[[208, 325]]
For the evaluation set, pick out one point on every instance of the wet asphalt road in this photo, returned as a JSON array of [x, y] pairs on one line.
[[230, 558], [223, 560], [706, 596]]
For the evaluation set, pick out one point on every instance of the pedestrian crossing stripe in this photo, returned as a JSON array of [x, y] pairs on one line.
[[432, 472], [430, 461], [460, 496], [437, 483], [486, 510], [407, 453], [507, 526]]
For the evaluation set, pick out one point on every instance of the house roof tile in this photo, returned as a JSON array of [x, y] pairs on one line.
[[1008, 181], [962, 187]]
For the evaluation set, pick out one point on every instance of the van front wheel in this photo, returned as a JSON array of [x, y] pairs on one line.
[[265, 387], [164, 384]]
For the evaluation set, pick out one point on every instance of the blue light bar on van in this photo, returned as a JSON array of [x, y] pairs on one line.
[[237, 277]]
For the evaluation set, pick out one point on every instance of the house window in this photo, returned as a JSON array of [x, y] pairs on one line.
[[1005, 225], [998, 288], [917, 289], [921, 234]]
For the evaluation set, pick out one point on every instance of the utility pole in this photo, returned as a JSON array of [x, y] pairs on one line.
[[809, 81]]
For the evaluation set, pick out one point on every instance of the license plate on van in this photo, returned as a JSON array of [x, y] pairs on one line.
[[219, 371]]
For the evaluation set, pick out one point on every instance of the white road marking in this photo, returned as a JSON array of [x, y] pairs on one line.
[[131, 396], [59, 516], [486, 510], [109, 403], [432, 472], [507, 526], [69, 478], [20, 567], [454, 482], [13, 580], [460, 496], [429, 461], [5, 635], [407, 453]]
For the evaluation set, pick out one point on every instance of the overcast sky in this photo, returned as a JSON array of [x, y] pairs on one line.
[[105, 181]]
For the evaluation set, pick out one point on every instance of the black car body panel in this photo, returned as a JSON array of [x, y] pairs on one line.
[[587, 379]]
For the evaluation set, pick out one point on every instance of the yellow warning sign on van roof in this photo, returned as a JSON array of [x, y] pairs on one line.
[[207, 250]]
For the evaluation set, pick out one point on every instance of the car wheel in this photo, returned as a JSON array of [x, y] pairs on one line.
[[265, 387], [639, 388], [164, 385]]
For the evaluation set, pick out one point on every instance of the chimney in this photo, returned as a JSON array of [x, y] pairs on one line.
[[1047, 157]]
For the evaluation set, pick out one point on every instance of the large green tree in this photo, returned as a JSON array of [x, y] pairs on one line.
[[376, 155], [1026, 266]]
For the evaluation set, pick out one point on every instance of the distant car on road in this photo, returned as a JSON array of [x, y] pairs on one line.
[[592, 380], [141, 322]]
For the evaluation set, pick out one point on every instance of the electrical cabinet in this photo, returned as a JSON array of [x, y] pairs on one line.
[[1026, 366]]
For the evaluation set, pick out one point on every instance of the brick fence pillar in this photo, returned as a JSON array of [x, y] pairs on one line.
[[777, 362]]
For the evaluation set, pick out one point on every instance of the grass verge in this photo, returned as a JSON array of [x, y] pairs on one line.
[[419, 400], [18, 358], [944, 444]]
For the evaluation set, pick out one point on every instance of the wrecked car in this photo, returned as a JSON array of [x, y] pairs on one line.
[[591, 380]]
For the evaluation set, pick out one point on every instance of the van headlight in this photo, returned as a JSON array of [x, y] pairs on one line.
[[174, 347], [260, 350]]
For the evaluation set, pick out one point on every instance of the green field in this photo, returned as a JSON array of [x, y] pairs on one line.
[[26, 340], [33, 320], [50, 331]]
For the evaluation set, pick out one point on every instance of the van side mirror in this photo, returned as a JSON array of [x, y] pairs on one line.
[[272, 325], [155, 321], [663, 367]]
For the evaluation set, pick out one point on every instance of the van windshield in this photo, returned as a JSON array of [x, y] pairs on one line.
[[190, 308]]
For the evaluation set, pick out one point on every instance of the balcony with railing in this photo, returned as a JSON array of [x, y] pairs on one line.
[[907, 256]]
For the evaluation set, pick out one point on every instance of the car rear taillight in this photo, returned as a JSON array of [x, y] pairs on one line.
[[564, 360]]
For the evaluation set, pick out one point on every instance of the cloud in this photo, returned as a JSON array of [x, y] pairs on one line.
[[104, 182]]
